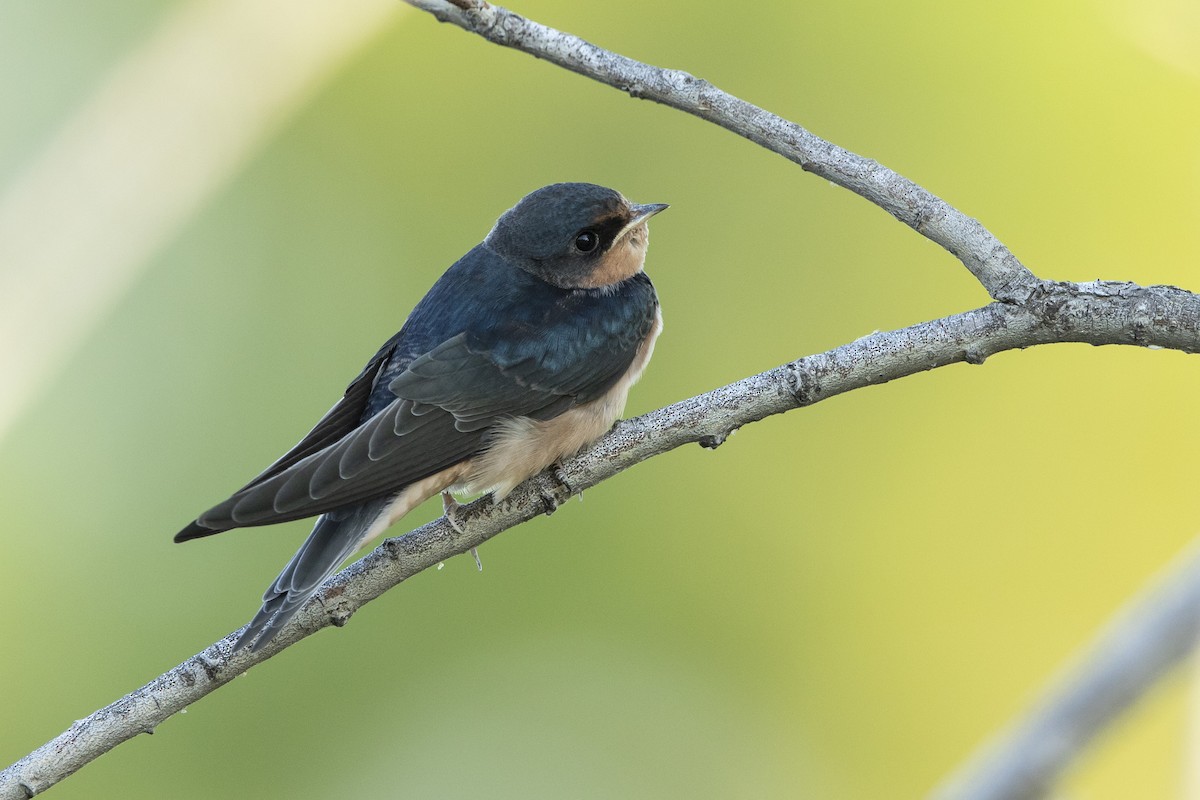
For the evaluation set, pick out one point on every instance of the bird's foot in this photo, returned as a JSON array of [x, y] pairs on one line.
[[560, 475], [450, 506]]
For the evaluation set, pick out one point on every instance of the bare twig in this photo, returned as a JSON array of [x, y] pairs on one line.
[[1004, 277]]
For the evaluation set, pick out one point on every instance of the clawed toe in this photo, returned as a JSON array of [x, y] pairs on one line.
[[450, 506]]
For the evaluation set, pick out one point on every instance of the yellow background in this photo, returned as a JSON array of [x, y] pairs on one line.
[[840, 603]]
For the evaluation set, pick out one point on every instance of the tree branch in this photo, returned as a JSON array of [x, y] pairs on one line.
[[1153, 633], [1004, 277], [1096, 313], [1031, 312]]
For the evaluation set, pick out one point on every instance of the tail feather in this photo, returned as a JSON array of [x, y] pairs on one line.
[[334, 538]]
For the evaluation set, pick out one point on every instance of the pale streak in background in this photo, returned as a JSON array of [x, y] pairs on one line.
[[1166, 30], [170, 125]]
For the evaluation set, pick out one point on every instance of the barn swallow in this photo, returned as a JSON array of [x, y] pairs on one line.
[[521, 354]]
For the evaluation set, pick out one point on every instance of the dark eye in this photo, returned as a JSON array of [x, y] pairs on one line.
[[586, 241]]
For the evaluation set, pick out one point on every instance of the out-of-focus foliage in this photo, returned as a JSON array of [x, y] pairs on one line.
[[838, 603]]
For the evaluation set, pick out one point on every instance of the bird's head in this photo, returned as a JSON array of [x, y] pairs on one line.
[[575, 235]]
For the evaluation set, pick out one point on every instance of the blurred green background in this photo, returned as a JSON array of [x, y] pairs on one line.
[[839, 603]]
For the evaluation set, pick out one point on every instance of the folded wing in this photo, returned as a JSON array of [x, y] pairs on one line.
[[441, 406]]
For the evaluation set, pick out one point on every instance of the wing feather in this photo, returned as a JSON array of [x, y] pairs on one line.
[[411, 414]]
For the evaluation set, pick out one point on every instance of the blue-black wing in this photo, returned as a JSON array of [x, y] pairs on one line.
[[464, 360]]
